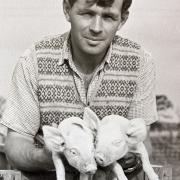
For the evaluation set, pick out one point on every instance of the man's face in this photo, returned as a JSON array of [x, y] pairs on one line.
[[93, 27]]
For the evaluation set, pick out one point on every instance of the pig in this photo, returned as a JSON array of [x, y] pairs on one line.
[[114, 140], [75, 139]]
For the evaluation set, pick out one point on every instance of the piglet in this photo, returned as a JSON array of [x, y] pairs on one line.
[[114, 140], [73, 138]]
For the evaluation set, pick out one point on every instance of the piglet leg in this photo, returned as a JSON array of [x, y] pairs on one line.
[[60, 170], [146, 163], [117, 169], [85, 177]]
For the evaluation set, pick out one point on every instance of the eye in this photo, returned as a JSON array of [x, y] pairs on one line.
[[73, 152], [95, 141], [93, 150], [108, 17], [117, 142], [87, 14], [63, 144]]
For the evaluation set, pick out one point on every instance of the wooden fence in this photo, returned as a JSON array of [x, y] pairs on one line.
[[165, 173]]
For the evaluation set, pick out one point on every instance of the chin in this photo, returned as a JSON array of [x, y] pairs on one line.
[[94, 50]]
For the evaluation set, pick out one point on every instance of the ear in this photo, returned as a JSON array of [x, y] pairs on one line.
[[53, 139], [91, 119], [124, 18], [66, 9], [79, 125], [132, 141], [136, 131]]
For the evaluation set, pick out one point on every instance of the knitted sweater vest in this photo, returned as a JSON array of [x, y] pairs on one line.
[[57, 93]]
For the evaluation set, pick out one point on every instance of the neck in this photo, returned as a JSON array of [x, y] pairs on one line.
[[86, 63]]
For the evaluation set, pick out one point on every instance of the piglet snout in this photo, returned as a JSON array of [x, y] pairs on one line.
[[90, 168], [100, 158]]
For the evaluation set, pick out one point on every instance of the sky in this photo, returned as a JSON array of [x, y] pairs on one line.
[[154, 24]]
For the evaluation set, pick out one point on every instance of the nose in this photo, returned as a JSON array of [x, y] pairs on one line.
[[96, 25], [100, 158], [90, 169]]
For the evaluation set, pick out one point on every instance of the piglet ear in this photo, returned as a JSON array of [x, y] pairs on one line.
[[53, 139], [136, 131], [91, 119]]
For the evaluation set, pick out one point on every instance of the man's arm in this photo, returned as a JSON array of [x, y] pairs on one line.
[[23, 155]]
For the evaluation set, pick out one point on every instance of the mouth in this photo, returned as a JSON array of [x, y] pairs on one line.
[[93, 38], [103, 163], [93, 41], [90, 173]]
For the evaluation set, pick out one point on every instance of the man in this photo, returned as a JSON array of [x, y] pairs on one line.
[[90, 66]]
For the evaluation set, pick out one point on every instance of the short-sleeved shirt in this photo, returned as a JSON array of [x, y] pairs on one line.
[[23, 109]]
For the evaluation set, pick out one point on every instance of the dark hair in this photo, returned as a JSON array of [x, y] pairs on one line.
[[106, 3], [126, 5]]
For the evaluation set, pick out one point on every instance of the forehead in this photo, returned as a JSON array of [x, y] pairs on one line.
[[77, 134], [110, 131], [80, 141], [115, 7]]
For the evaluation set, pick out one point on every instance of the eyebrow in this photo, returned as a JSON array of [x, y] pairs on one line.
[[106, 12], [85, 10], [114, 15]]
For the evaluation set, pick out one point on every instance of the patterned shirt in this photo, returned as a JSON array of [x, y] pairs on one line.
[[23, 110]]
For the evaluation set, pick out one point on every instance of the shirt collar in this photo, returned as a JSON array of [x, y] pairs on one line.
[[108, 54], [66, 49]]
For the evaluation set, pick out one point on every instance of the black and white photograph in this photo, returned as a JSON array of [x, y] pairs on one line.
[[89, 90]]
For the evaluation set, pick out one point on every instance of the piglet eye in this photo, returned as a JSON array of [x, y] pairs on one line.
[[74, 152], [95, 141], [63, 144], [117, 142]]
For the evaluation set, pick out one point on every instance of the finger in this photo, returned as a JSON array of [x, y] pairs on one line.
[[54, 125]]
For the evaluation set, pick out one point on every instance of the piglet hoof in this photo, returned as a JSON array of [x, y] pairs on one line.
[[121, 176], [154, 177], [114, 178]]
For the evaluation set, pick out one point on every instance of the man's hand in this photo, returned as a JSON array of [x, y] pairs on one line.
[[131, 163]]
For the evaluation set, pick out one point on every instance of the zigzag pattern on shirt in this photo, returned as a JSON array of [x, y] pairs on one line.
[[124, 62], [50, 117], [57, 93], [105, 110], [115, 85], [116, 88], [50, 43], [123, 42], [50, 66]]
